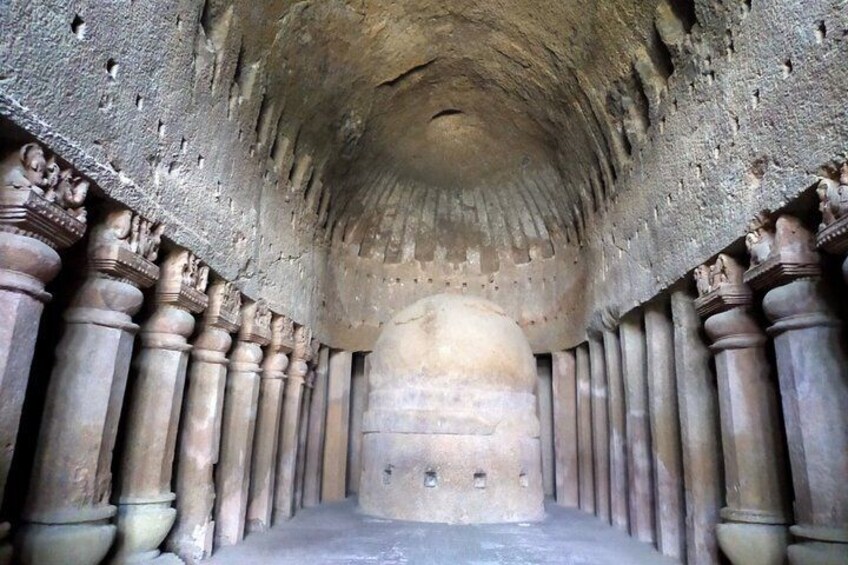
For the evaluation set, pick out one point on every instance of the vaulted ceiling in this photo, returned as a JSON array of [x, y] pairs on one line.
[[437, 130]]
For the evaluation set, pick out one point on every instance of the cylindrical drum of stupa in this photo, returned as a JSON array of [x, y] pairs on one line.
[[451, 432]]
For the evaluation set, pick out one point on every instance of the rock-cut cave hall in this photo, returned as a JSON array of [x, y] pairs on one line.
[[424, 282]]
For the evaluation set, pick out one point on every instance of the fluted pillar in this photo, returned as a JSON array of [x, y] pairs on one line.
[[754, 529], [812, 367], [584, 430], [191, 538], [68, 521], [286, 465], [600, 426], [640, 483], [263, 470], [315, 435], [669, 508], [143, 486], [33, 226], [238, 423], [617, 426], [564, 386]]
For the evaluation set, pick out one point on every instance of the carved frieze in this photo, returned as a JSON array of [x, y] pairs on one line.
[[39, 199], [183, 282], [256, 323], [124, 246], [224, 308], [833, 198], [721, 286], [781, 251], [282, 334]]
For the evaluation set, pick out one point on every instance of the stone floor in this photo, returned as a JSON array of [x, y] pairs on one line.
[[337, 533]]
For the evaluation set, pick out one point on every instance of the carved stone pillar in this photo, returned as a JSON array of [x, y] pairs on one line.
[[34, 224], [284, 491], [358, 404], [600, 426], [584, 430], [67, 512], [200, 429], [564, 388], [338, 417], [143, 487], [812, 366], [238, 423], [263, 469], [617, 424], [754, 529], [640, 484], [315, 440], [669, 508]]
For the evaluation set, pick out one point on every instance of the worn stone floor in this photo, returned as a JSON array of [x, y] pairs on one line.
[[337, 533]]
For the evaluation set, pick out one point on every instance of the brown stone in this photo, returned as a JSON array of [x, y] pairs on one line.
[[315, 441], [585, 457], [564, 381], [600, 427], [334, 478]]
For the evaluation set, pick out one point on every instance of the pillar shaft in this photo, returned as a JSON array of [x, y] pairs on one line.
[[358, 402], [143, 485], [600, 428], [260, 508], [333, 486], [292, 396], [238, 424], [200, 428], [617, 431], [584, 430], [564, 384], [544, 411], [699, 429], [669, 507], [68, 520], [315, 440], [303, 430], [640, 484]]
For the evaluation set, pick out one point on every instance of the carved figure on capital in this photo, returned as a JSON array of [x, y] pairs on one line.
[[760, 238], [833, 195]]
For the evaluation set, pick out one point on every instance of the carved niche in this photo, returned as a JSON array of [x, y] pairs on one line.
[[38, 199]]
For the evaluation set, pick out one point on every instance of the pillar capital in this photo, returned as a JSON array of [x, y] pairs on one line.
[[782, 250], [255, 323], [301, 355], [40, 199], [721, 287], [124, 246], [183, 282], [224, 307], [282, 343], [833, 196]]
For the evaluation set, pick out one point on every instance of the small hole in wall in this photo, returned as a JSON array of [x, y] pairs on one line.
[[387, 475], [523, 480], [430, 479], [183, 145], [200, 161], [787, 68], [821, 32], [112, 68], [480, 480], [78, 27], [755, 99], [160, 129], [139, 102]]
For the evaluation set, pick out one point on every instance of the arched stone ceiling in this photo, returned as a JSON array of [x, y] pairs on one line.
[[436, 129]]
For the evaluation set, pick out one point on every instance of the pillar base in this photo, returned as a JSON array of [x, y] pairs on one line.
[[142, 527], [753, 544], [818, 546], [59, 544]]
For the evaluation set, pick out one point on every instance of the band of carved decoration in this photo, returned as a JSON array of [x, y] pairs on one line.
[[224, 309], [41, 200], [124, 246], [183, 282], [781, 251], [833, 197], [720, 286]]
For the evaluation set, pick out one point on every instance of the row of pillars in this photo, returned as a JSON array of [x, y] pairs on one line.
[[212, 417], [718, 423]]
